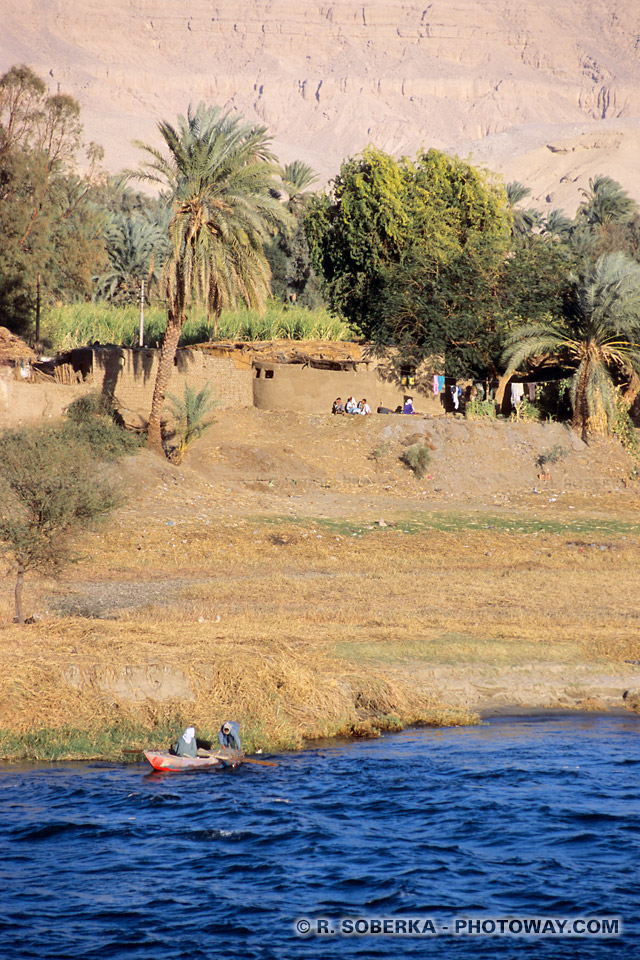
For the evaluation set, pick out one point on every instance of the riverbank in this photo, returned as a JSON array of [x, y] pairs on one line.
[[296, 576]]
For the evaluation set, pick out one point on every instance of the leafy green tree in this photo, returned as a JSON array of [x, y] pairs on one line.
[[219, 173], [49, 493], [50, 227], [599, 339], [411, 253]]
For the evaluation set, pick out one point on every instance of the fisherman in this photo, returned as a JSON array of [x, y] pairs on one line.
[[186, 746], [229, 735]]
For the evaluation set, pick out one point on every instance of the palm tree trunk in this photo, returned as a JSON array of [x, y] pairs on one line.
[[580, 417], [19, 617], [175, 323]]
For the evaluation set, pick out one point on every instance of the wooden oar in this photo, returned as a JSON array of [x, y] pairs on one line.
[[236, 759], [262, 763]]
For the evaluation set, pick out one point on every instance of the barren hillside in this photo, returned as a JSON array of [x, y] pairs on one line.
[[546, 92]]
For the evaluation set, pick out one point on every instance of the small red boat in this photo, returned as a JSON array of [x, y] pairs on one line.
[[164, 760]]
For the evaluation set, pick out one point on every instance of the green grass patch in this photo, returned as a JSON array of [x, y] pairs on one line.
[[456, 648], [122, 742], [107, 742], [458, 523], [67, 326]]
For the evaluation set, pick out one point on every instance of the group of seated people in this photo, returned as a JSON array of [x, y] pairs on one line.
[[363, 407], [351, 406]]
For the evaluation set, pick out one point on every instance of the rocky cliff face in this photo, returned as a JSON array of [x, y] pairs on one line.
[[496, 78]]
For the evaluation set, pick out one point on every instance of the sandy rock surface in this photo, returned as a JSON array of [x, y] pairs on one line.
[[544, 92]]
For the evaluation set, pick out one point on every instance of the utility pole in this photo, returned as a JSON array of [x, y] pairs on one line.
[[142, 313], [38, 347]]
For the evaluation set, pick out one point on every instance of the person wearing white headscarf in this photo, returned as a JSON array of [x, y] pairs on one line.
[[186, 746]]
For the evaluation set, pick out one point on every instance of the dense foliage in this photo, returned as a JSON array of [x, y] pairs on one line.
[[431, 256], [411, 253], [50, 226]]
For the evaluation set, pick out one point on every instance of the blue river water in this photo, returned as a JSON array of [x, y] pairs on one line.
[[518, 818]]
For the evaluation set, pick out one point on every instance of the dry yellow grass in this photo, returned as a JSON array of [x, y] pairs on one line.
[[304, 630]]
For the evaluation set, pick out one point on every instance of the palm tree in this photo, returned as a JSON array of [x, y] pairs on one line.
[[219, 172], [557, 225], [296, 178], [190, 415], [605, 203], [601, 339], [137, 247], [523, 221]]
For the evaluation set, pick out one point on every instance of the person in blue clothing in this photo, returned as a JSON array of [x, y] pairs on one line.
[[229, 735], [186, 745], [408, 405]]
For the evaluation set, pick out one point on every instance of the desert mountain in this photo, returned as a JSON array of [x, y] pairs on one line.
[[547, 92]]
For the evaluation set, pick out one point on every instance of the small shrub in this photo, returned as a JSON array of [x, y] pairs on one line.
[[476, 409], [418, 458], [49, 491], [92, 420], [527, 411], [190, 414], [91, 405], [381, 451], [554, 455]]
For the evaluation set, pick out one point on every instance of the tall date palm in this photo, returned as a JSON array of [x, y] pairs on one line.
[[218, 173]]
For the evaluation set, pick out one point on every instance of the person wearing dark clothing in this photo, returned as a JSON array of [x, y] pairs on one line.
[[338, 406], [229, 736], [186, 746]]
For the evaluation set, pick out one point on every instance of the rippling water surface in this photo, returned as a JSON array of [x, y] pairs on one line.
[[520, 817]]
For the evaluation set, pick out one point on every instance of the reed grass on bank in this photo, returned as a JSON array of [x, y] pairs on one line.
[[67, 326]]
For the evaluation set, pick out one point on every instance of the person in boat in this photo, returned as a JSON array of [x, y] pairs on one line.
[[186, 745], [229, 736]]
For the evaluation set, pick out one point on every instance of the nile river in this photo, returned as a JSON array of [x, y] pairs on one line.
[[515, 820]]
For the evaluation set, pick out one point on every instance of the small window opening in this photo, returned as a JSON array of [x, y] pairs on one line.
[[268, 374]]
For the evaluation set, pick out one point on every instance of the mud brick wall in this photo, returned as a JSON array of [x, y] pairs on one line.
[[129, 376], [25, 403]]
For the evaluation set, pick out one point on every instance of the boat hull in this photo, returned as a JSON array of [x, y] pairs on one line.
[[163, 760]]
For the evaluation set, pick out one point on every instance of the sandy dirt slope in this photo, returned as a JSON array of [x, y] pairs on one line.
[[253, 461]]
